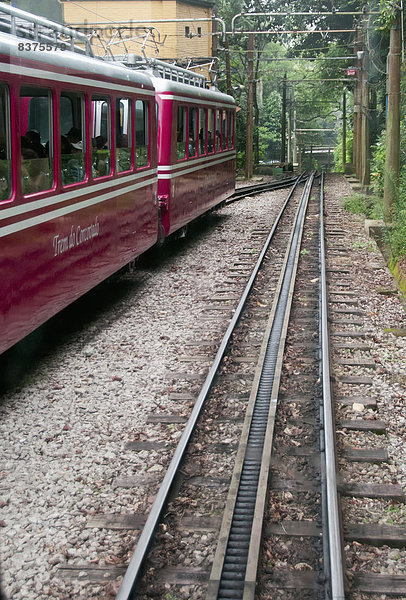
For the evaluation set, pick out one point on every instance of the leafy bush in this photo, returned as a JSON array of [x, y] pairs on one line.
[[356, 204], [338, 150], [378, 165], [369, 206], [397, 234]]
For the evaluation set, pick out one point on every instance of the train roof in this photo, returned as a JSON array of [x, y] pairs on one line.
[[72, 61], [211, 94]]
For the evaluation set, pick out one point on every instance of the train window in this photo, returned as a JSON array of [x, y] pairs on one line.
[[73, 151], [225, 129], [36, 140], [192, 134], [123, 135], [218, 130], [231, 131], [5, 146], [101, 137], [181, 133], [210, 130], [141, 133], [202, 131]]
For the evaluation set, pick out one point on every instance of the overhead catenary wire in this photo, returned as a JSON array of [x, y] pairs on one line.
[[290, 31]]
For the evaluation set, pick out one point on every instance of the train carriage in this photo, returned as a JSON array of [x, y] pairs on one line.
[[78, 178], [196, 151]]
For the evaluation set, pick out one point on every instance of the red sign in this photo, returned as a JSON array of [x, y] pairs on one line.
[[350, 71]]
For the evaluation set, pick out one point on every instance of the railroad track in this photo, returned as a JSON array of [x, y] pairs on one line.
[[282, 497], [238, 553], [251, 190], [131, 579]]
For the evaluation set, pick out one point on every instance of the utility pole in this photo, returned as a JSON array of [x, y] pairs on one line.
[[294, 141], [392, 156], [256, 119], [214, 45], [357, 109], [228, 67], [364, 154], [283, 133], [344, 131], [250, 103], [289, 99]]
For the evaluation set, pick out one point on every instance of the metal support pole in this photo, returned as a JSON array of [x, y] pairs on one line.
[[344, 131], [357, 110], [392, 156], [228, 68], [365, 159], [283, 132], [250, 103], [214, 46]]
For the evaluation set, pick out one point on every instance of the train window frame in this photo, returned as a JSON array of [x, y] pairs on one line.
[[6, 176], [203, 132], [146, 132], [129, 134], [218, 122], [231, 130], [211, 123], [192, 145], [225, 121], [101, 156], [75, 167], [181, 154], [33, 168]]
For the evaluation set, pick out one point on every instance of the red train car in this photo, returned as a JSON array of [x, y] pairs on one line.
[[79, 190], [196, 152], [78, 196]]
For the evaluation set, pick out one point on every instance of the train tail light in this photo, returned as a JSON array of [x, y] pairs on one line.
[[163, 200]]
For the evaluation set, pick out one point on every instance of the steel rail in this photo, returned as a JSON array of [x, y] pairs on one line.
[[133, 573], [234, 568], [250, 190], [332, 505]]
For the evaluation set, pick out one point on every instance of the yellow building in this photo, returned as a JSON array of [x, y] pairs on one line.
[[181, 40]]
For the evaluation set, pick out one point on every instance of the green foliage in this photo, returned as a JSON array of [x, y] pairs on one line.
[[314, 89], [338, 150], [397, 233], [356, 204], [369, 206], [378, 165], [270, 125], [363, 244], [388, 12]]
